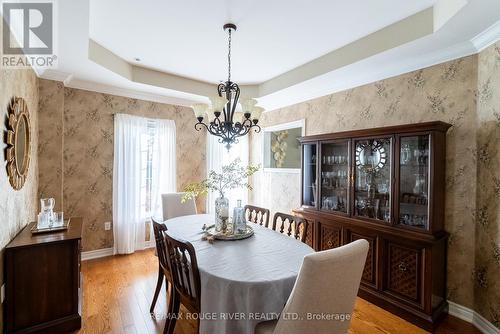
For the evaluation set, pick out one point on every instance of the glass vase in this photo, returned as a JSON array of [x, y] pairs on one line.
[[239, 222], [221, 214]]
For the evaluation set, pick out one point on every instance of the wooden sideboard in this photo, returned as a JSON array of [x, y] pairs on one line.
[[385, 185], [43, 281]]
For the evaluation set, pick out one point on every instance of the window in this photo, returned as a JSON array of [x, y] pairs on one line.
[[217, 156]]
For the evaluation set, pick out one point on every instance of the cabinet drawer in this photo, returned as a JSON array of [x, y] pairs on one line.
[[330, 237], [404, 271], [369, 276]]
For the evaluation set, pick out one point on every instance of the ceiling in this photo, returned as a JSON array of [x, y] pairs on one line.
[[283, 51], [186, 37]]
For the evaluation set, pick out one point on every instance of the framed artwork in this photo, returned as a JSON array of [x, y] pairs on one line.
[[281, 147]]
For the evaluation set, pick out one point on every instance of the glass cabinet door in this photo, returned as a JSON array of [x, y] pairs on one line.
[[309, 178], [372, 182], [414, 181], [334, 176]]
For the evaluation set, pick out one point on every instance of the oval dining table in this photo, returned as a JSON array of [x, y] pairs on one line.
[[243, 282]]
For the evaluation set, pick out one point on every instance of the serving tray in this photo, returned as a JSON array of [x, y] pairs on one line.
[[36, 230], [221, 236]]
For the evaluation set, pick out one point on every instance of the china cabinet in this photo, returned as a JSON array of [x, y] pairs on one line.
[[385, 185]]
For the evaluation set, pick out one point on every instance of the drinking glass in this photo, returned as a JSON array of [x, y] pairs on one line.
[[47, 204], [58, 218]]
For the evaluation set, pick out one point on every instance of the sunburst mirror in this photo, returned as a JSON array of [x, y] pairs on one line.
[[371, 156], [18, 140]]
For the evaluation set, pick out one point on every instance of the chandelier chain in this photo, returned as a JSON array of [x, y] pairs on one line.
[[229, 57]]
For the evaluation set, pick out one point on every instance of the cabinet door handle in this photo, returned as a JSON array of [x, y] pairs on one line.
[[402, 266]]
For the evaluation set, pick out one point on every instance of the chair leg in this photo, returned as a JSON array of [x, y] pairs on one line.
[[176, 303], [170, 304], [159, 283]]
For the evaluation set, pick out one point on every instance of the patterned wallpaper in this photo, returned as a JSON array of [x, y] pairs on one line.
[[17, 208], [487, 268], [443, 92], [79, 136], [50, 141]]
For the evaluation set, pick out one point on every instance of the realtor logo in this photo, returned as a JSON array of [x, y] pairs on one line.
[[28, 34]]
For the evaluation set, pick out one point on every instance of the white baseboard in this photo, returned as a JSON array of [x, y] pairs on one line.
[[95, 254], [472, 317]]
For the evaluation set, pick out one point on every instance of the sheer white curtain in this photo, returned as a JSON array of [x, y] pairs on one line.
[[217, 156], [164, 165], [133, 136]]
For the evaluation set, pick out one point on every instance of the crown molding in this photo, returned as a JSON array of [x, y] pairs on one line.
[[55, 75], [404, 66], [487, 37], [160, 79], [68, 81], [393, 69], [134, 94]]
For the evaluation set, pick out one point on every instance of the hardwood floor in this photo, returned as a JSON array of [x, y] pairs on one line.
[[118, 292]]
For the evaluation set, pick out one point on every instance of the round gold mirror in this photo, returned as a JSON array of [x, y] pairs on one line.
[[18, 142]]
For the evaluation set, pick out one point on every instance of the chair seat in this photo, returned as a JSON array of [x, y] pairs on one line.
[[265, 327]]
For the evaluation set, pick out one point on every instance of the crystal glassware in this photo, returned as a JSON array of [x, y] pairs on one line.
[[405, 154]]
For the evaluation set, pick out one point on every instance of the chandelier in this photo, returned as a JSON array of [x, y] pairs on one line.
[[227, 124]]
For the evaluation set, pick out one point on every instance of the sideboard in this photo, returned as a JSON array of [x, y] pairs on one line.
[[43, 281], [385, 185]]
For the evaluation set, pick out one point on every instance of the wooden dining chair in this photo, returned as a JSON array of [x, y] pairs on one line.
[[327, 283], [257, 215], [164, 272], [172, 207], [186, 279], [290, 225]]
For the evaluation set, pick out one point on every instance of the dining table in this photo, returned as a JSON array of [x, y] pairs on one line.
[[243, 282]]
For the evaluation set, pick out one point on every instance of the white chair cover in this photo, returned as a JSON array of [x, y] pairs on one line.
[[173, 206], [327, 284]]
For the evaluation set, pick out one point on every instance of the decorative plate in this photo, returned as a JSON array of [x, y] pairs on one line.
[[221, 236]]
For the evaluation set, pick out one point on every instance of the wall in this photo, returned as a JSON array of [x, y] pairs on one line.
[[487, 272], [443, 92], [17, 208], [77, 130]]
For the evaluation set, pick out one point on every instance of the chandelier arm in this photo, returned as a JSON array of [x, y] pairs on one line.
[[257, 128], [236, 98], [216, 121], [200, 125], [242, 130], [215, 129], [247, 120]]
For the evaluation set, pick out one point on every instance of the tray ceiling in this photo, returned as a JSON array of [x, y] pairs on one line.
[[283, 51]]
